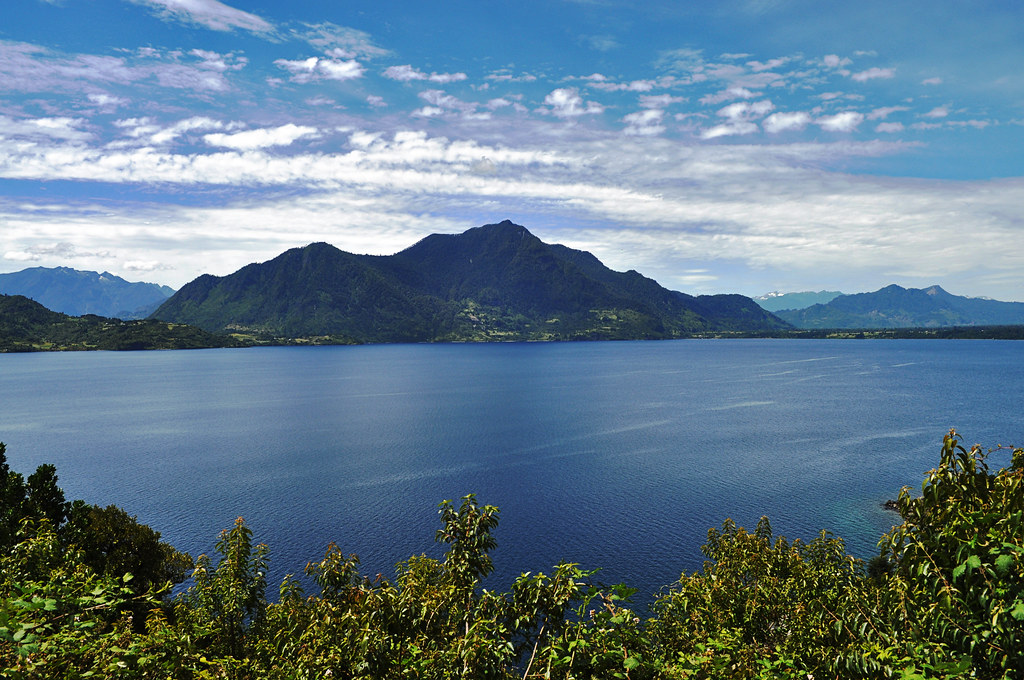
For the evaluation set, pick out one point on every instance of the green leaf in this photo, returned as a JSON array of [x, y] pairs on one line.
[[1018, 610], [973, 562], [1003, 564], [631, 663]]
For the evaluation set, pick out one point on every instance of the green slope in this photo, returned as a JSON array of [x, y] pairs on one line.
[[27, 326]]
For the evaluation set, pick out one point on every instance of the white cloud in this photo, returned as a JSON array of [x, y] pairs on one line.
[[727, 95], [757, 66], [315, 68], [261, 138], [340, 42], [631, 86], [889, 127], [746, 110], [566, 102], [646, 122], [932, 81], [333, 69], [504, 77], [834, 61], [885, 111], [144, 266], [847, 121], [729, 129], [171, 133], [406, 73], [937, 112], [659, 101], [30, 68], [209, 13], [60, 127], [782, 121], [106, 100], [873, 73]]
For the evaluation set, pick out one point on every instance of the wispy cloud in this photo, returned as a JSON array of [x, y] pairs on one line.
[[407, 73], [208, 13], [352, 42], [31, 68], [873, 73]]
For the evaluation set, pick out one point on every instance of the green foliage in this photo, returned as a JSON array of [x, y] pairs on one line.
[[114, 543], [27, 326], [958, 559], [943, 599]]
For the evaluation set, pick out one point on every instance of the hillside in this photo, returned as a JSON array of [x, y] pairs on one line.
[[75, 292], [27, 326], [896, 307], [496, 282]]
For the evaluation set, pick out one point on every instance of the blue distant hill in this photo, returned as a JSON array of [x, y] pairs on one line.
[[773, 302], [896, 307], [73, 292]]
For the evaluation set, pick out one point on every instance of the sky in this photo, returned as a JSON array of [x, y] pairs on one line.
[[734, 146]]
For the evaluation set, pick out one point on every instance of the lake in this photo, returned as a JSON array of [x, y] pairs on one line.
[[619, 455]]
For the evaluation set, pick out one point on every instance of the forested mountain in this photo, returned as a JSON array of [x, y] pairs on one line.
[[75, 292], [896, 307], [773, 302], [26, 326], [496, 282]]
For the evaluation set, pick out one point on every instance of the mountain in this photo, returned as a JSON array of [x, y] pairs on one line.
[[775, 301], [26, 326], [496, 282], [896, 307], [74, 292]]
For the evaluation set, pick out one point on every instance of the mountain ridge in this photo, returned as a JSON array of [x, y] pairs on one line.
[[495, 282], [75, 292], [896, 307]]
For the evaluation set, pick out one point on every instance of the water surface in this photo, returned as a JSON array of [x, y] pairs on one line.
[[613, 455]]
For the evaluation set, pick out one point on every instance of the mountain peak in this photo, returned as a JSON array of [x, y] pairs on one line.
[[494, 282]]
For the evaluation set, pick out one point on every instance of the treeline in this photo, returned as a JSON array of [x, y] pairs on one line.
[[86, 592]]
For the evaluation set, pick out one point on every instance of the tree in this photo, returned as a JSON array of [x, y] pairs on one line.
[[44, 498], [12, 501], [115, 543]]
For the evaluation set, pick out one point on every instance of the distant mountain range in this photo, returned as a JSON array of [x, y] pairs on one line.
[[73, 292], [496, 282], [896, 307], [27, 326], [773, 302]]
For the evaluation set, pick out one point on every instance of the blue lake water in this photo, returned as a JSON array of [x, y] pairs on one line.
[[617, 455]]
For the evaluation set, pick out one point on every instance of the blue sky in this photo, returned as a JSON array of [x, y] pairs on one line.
[[731, 146]]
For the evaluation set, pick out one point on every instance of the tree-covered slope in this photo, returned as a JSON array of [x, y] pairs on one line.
[[26, 326], [75, 292], [896, 307], [496, 282]]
